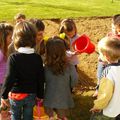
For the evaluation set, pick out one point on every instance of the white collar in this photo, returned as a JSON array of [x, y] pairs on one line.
[[26, 50]]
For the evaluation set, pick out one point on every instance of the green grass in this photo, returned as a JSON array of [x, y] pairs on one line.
[[47, 9], [83, 104]]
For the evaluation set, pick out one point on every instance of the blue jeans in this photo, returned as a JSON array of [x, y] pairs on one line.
[[100, 69], [22, 109]]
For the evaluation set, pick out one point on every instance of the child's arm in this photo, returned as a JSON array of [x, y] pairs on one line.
[[10, 78], [1, 56], [73, 76], [71, 53], [104, 94], [41, 80]]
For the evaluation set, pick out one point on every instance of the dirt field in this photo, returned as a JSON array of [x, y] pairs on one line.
[[95, 28]]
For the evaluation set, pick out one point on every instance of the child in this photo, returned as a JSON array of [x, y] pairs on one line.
[[68, 27], [60, 76], [115, 33], [108, 100], [6, 31], [25, 76], [19, 17], [40, 47]]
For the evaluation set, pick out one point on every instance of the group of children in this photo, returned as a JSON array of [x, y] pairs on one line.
[[32, 68], [35, 69]]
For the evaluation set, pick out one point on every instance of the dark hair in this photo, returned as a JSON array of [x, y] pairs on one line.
[[5, 30], [19, 15], [24, 35], [117, 21], [38, 24], [56, 55], [67, 25], [115, 17]]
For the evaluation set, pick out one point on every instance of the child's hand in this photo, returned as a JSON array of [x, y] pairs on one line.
[[4, 103], [93, 110], [76, 53], [38, 99]]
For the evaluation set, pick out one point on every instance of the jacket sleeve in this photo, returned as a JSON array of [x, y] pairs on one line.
[[9, 79], [73, 76], [41, 80], [104, 94]]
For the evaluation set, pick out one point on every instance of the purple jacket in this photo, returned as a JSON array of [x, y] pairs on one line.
[[3, 67]]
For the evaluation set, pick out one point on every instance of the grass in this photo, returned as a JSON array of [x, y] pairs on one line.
[[47, 9], [83, 103]]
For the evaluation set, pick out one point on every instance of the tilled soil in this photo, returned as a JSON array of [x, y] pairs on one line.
[[96, 28]]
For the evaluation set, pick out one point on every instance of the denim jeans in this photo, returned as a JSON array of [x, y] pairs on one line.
[[22, 109], [100, 69]]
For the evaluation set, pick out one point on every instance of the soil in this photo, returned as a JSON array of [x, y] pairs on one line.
[[94, 27]]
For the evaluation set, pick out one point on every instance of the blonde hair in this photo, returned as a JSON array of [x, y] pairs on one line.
[[111, 47]]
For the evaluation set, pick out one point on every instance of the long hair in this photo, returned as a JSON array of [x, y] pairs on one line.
[[67, 25], [56, 55], [5, 30]]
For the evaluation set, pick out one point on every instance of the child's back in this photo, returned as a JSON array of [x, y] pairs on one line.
[[60, 76], [58, 93], [25, 77], [112, 72], [108, 93]]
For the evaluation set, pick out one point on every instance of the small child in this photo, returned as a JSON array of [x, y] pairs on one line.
[[68, 27], [108, 100], [19, 17], [6, 31], [25, 77], [114, 33], [60, 77], [40, 46]]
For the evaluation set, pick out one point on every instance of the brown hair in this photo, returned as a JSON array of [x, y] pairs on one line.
[[117, 21], [5, 30], [67, 25], [24, 35], [115, 17], [19, 15], [56, 55], [38, 24], [110, 46]]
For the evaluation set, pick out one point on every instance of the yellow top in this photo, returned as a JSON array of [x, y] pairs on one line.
[[104, 94]]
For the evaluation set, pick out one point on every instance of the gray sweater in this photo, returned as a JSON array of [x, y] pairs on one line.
[[58, 88]]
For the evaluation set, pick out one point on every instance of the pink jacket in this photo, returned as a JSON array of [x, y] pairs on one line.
[[3, 67]]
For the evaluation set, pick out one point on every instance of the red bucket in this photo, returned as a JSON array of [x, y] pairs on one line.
[[83, 44]]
